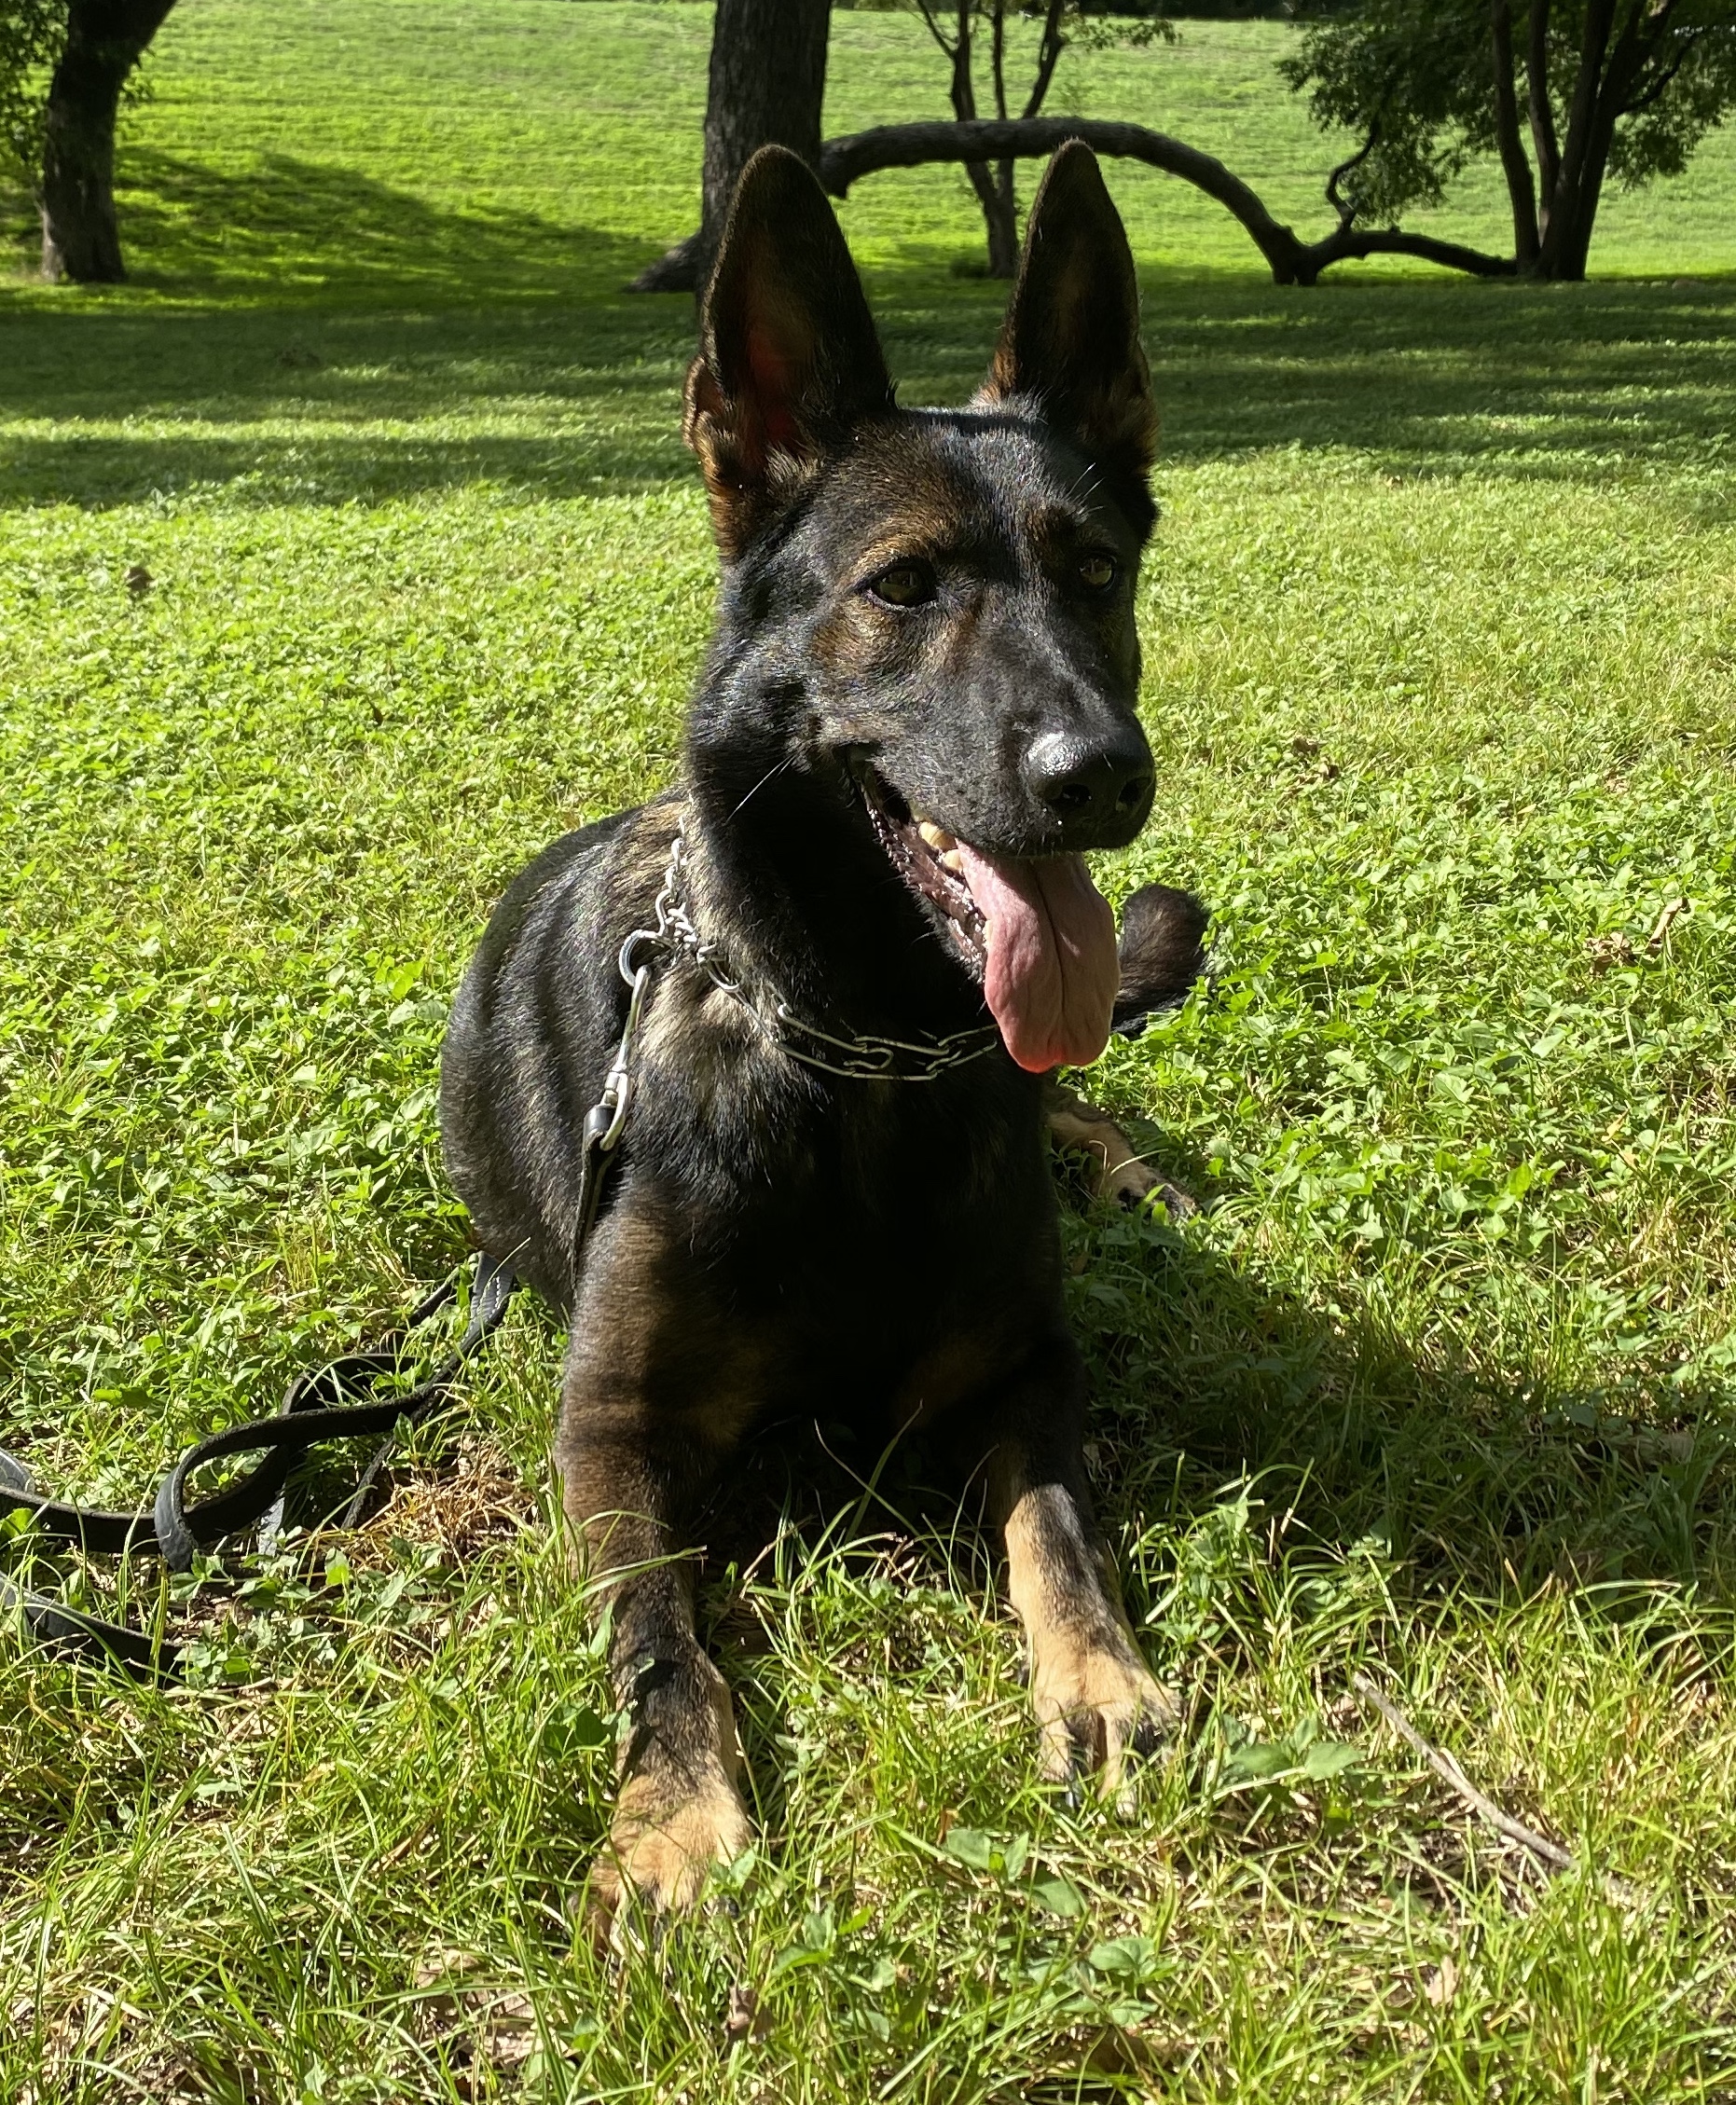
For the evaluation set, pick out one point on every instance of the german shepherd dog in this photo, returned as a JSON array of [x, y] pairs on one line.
[[832, 1195]]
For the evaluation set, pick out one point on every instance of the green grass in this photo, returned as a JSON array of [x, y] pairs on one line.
[[1441, 1387]]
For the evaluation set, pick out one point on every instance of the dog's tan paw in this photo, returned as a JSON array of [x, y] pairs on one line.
[[1133, 1182], [1118, 1173], [1096, 1702], [665, 1842]]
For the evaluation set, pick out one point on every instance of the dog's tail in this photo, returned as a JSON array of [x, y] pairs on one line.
[[1162, 954]]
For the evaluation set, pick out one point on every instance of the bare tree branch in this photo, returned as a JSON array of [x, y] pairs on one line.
[[927, 12], [1449, 1773], [1334, 196], [1048, 57], [1661, 81], [846, 160], [1349, 246]]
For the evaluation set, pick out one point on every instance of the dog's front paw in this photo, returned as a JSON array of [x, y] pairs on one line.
[[669, 1835], [1097, 1702], [1117, 1172], [1133, 1182]]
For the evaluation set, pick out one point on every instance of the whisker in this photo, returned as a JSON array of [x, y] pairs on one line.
[[778, 768]]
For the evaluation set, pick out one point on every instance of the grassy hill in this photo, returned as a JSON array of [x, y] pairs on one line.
[[1439, 1387]]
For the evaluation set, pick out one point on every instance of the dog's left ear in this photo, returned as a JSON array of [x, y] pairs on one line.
[[788, 362], [1071, 336]]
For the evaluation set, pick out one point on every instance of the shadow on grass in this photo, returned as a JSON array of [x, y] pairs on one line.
[[1429, 378], [289, 229], [509, 360], [276, 405], [1500, 1483], [1203, 1376], [1207, 1383]]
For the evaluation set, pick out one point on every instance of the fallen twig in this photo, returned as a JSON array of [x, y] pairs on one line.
[[1666, 920], [1546, 1852]]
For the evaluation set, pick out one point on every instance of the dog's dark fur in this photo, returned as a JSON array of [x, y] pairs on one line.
[[776, 1239]]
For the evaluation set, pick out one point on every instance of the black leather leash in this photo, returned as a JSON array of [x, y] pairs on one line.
[[176, 1529]]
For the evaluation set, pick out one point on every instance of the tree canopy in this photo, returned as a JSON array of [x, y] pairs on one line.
[[32, 34], [1607, 87]]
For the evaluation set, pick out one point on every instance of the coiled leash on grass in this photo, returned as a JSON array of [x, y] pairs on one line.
[[314, 1410], [176, 1530]]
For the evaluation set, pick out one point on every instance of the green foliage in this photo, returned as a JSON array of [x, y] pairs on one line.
[[32, 33], [1127, 25], [1417, 75], [1658, 139], [1441, 1387], [1420, 77]]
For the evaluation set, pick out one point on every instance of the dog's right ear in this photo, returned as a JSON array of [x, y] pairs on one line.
[[788, 362]]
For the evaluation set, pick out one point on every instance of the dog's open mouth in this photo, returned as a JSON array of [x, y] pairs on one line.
[[928, 858], [1034, 930]]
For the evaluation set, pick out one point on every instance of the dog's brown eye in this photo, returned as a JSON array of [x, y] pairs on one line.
[[905, 584], [1097, 573]]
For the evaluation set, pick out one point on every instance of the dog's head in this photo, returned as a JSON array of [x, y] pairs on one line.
[[934, 609]]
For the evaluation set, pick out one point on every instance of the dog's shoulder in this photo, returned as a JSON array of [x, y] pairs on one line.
[[585, 880]]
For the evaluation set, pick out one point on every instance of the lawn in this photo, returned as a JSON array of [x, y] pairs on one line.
[[1439, 1387]]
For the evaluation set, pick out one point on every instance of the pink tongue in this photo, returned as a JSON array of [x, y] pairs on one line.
[[1052, 971]]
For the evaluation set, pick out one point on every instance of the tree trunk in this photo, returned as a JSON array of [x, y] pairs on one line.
[[767, 82], [1567, 228], [1003, 237], [1000, 216], [104, 41], [994, 197], [1577, 213], [1608, 75], [1521, 189], [994, 188], [1538, 108]]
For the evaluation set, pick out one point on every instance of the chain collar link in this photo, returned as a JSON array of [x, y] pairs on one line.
[[859, 1056]]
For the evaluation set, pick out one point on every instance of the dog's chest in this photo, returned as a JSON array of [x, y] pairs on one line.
[[906, 1252]]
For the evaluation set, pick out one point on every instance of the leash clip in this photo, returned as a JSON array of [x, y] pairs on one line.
[[608, 1115]]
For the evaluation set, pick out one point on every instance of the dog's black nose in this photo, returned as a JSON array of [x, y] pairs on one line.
[[1099, 788]]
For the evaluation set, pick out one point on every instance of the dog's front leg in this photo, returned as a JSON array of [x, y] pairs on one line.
[[1096, 1698], [628, 1476]]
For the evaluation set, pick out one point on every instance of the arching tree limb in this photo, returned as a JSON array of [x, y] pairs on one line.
[[1352, 243], [846, 160]]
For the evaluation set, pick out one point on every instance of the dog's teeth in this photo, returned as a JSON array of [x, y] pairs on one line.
[[954, 861], [938, 838]]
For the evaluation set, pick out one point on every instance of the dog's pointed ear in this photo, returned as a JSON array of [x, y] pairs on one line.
[[1071, 335], [788, 362]]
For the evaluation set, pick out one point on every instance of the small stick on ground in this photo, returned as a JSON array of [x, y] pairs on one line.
[[1665, 922], [1539, 1847]]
